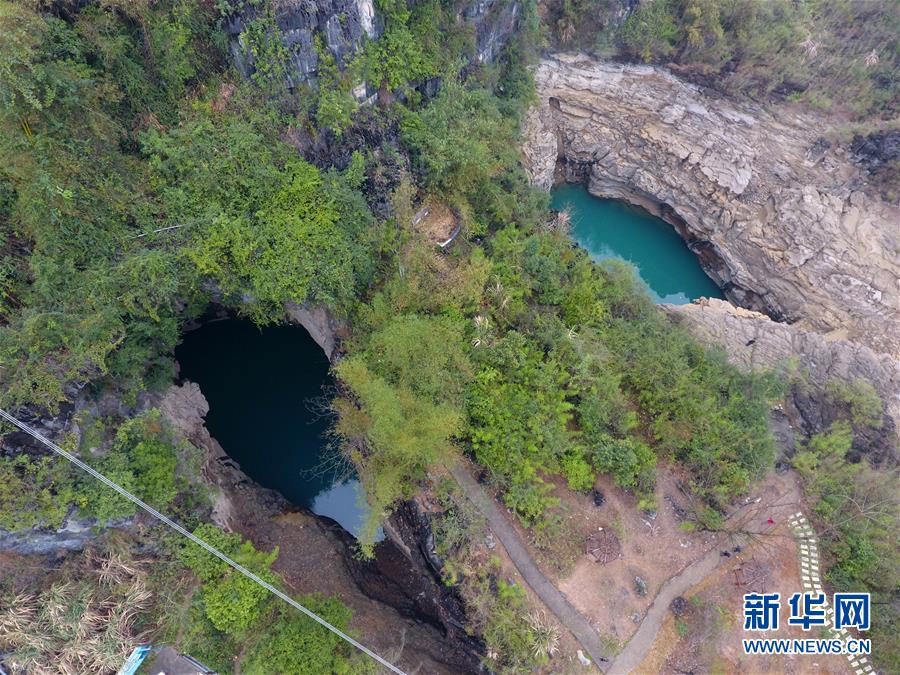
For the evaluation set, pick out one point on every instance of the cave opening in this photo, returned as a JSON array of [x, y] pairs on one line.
[[268, 390]]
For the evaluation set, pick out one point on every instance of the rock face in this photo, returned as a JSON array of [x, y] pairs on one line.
[[344, 25], [784, 224], [72, 536], [753, 340], [319, 323]]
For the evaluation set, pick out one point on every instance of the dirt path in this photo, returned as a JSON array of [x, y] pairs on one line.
[[556, 602], [636, 649]]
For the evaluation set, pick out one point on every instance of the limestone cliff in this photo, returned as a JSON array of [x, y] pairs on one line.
[[785, 224], [343, 27], [320, 323], [753, 340]]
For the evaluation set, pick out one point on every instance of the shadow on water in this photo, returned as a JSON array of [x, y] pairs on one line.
[[267, 391], [607, 228]]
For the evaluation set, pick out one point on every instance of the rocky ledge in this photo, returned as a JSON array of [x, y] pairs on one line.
[[753, 340], [783, 221]]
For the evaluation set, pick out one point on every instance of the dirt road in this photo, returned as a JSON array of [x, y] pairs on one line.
[[555, 601]]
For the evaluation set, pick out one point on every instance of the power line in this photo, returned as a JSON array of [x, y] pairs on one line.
[[212, 549]]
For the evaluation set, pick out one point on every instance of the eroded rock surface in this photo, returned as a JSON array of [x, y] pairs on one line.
[[343, 26], [753, 340], [785, 224], [320, 323]]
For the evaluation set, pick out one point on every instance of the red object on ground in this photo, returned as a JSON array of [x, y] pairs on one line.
[[770, 521]]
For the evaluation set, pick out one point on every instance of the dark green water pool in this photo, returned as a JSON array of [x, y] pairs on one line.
[[265, 389], [607, 228]]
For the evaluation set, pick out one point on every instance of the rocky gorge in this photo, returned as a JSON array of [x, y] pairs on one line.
[[781, 219], [785, 223]]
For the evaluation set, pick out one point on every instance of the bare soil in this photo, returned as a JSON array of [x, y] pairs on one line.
[[437, 224], [654, 548], [707, 637]]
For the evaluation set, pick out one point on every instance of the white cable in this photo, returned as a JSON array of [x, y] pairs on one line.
[[178, 528]]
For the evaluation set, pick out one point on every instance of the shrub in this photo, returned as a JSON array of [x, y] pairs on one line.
[[508, 633], [143, 460], [861, 403], [578, 472], [856, 513], [34, 492], [628, 460], [650, 32], [423, 353], [232, 602], [297, 644], [392, 434]]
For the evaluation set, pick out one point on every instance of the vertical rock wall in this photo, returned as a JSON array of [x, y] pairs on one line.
[[344, 25], [784, 224]]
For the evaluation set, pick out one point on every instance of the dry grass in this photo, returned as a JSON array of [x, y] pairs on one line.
[[79, 626]]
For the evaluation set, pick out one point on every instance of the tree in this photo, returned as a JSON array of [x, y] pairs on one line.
[[393, 436], [650, 31], [424, 354]]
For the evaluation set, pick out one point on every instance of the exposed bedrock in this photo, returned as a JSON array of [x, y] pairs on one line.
[[753, 340], [343, 26], [321, 324], [785, 224]]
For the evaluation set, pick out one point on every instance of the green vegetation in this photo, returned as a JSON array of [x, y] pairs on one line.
[[139, 180], [143, 460], [858, 518], [393, 436], [123, 197], [508, 633], [34, 492], [836, 55], [74, 97], [858, 402], [398, 58], [563, 367], [296, 644], [257, 219], [518, 640], [231, 616], [143, 457], [232, 601]]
